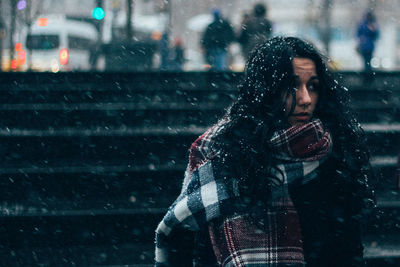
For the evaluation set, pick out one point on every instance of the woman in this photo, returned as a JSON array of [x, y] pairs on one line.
[[281, 180]]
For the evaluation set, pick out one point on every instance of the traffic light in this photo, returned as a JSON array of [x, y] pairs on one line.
[[98, 13]]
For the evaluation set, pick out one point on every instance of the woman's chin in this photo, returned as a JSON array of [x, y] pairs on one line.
[[298, 122]]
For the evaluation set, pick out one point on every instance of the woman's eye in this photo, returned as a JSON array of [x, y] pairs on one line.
[[313, 87]]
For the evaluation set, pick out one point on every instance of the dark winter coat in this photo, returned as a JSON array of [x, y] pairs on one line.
[[219, 34], [329, 210], [254, 32], [367, 34]]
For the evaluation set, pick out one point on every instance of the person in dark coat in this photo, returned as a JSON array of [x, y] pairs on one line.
[[367, 34], [255, 29], [215, 41], [177, 55], [164, 51], [281, 179]]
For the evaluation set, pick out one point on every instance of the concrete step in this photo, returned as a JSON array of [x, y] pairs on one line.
[[108, 189], [43, 119], [110, 255], [378, 80], [97, 191], [382, 250], [44, 116], [87, 240], [138, 145], [100, 98], [40, 99], [68, 88]]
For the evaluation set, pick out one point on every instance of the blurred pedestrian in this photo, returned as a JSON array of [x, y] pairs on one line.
[[281, 179], [216, 39], [255, 29], [177, 55], [164, 51], [367, 34]]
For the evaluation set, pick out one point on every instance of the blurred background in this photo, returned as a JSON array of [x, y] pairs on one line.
[[101, 99], [104, 35]]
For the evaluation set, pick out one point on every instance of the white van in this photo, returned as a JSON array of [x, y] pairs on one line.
[[58, 44]]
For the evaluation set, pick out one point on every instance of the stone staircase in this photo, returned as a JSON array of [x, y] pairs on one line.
[[91, 161]]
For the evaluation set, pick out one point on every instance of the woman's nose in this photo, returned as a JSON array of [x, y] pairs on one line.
[[302, 96]]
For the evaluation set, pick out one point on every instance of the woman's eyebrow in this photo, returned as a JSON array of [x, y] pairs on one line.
[[296, 77], [313, 78]]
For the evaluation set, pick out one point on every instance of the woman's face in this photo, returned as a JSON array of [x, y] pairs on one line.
[[307, 92]]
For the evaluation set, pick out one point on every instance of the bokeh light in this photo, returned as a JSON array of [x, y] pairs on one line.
[[21, 4]]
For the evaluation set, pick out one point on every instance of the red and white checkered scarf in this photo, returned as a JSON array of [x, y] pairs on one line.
[[239, 242], [307, 142]]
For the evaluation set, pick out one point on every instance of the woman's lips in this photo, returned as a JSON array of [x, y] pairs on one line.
[[302, 116]]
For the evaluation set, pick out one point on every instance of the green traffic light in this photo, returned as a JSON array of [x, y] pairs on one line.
[[98, 13]]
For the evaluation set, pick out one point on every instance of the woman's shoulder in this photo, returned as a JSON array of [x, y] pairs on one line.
[[200, 151]]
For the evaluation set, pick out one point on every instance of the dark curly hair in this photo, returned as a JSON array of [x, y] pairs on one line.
[[257, 114]]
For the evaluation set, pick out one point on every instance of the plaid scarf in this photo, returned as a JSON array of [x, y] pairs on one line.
[[307, 142], [205, 199]]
